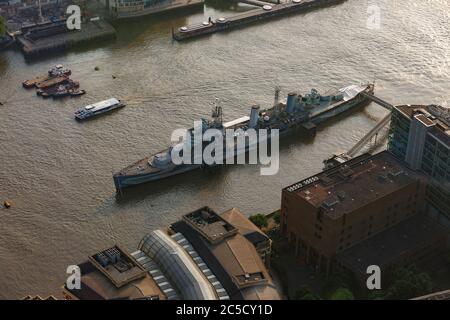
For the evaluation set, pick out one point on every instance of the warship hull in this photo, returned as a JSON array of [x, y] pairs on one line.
[[131, 176]]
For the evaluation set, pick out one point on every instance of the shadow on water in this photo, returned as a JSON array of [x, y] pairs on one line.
[[190, 181], [127, 31], [225, 5], [200, 177], [4, 64], [160, 24]]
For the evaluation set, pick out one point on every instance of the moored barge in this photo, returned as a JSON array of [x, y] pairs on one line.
[[251, 16]]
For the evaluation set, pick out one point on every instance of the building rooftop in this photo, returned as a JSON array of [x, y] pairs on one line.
[[209, 224], [117, 266], [442, 295], [355, 183], [430, 115], [232, 258], [247, 228], [392, 244], [113, 274]]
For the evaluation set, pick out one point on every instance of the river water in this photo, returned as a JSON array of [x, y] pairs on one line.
[[57, 172]]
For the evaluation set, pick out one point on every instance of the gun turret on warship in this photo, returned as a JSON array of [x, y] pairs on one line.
[[299, 110]]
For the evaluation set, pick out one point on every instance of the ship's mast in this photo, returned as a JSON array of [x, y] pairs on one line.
[[217, 114], [41, 18], [276, 103], [277, 96]]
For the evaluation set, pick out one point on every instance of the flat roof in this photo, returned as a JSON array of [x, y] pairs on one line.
[[209, 224], [441, 295], [435, 114], [394, 243], [355, 183], [247, 228], [94, 285], [117, 265], [233, 259]]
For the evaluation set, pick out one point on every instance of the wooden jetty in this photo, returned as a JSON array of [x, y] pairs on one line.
[[50, 37], [260, 14]]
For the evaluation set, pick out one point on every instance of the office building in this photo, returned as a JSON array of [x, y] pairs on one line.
[[420, 136], [334, 211]]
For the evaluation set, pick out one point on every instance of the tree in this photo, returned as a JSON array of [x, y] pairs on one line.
[[2, 26], [277, 217], [259, 220], [305, 293], [335, 282], [342, 294], [406, 283]]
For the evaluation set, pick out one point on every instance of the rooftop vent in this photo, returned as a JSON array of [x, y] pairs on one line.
[[341, 195], [345, 171], [395, 173], [330, 202]]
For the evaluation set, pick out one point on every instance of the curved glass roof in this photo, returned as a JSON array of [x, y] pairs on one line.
[[176, 264]]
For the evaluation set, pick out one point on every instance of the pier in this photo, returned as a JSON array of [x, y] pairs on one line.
[[266, 12], [43, 39]]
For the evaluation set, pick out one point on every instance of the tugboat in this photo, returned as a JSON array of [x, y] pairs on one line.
[[61, 92], [299, 111], [77, 92], [71, 88]]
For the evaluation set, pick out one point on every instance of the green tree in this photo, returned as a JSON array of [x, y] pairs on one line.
[[305, 293], [334, 282], [2, 26], [407, 283], [277, 217], [342, 294], [259, 220]]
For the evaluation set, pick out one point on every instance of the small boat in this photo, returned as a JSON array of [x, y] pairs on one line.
[[98, 108], [61, 92], [77, 93], [59, 70]]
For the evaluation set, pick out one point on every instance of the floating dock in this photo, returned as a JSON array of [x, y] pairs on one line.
[[260, 14], [53, 37]]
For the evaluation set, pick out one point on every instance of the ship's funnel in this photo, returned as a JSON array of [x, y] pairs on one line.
[[254, 117], [290, 104]]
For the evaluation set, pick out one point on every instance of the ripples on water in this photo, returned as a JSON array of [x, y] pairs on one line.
[[58, 172]]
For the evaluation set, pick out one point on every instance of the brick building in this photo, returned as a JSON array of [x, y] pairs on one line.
[[330, 212]]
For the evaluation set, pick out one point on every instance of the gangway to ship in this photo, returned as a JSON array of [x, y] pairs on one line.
[[378, 101], [343, 157], [373, 132]]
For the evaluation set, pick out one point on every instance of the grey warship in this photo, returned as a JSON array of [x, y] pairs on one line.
[[298, 110]]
